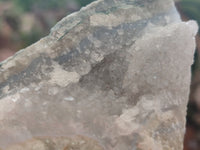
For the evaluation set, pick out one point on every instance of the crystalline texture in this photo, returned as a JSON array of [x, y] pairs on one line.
[[113, 76]]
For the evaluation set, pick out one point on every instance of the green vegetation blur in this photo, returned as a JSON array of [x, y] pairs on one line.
[[23, 22], [27, 21], [191, 8], [29, 5]]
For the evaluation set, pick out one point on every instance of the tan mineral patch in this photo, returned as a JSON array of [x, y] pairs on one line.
[[109, 20], [58, 143], [149, 143], [7, 104], [62, 78], [126, 123]]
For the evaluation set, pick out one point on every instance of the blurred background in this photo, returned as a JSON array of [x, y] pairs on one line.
[[190, 9], [23, 22]]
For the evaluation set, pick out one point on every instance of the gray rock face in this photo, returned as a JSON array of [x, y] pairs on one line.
[[116, 74]]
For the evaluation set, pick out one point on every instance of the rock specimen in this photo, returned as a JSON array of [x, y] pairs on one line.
[[113, 76]]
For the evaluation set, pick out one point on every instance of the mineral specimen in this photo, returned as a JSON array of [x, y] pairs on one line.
[[113, 76]]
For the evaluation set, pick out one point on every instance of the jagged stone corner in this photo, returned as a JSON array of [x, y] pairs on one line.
[[113, 76]]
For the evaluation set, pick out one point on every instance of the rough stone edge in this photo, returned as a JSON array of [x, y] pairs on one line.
[[23, 57]]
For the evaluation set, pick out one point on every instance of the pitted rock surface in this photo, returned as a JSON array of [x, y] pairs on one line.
[[116, 73]]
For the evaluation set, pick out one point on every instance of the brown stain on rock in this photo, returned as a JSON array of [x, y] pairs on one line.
[[58, 143]]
